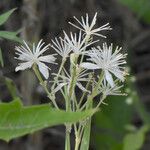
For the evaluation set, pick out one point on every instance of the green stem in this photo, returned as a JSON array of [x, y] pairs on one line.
[[86, 42], [79, 134], [83, 95], [87, 130], [95, 90], [85, 142], [68, 103], [77, 138], [37, 73], [101, 101], [67, 139], [59, 71], [77, 143], [72, 82]]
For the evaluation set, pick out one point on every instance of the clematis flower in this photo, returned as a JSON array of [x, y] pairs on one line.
[[88, 28], [107, 60], [61, 47], [106, 89], [34, 56], [76, 43], [66, 80]]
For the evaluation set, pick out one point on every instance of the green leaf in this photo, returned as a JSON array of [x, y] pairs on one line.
[[1, 58], [111, 122], [10, 36], [16, 120], [134, 141], [140, 7], [5, 16]]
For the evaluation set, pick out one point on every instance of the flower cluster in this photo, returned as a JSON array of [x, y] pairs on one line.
[[94, 71], [84, 60]]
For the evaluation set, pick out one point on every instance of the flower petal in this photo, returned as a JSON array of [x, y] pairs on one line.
[[109, 78], [43, 69], [60, 85], [88, 65], [118, 74], [47, 58], [23, 66], [81, 87]]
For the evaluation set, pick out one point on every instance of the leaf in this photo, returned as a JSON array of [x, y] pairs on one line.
[[110, 123], [134, 141], [1, 58], [10, 36], [140, 7], [4, 17], [16, 120]]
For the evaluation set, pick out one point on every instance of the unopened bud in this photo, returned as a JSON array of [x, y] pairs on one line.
[[73, 58]]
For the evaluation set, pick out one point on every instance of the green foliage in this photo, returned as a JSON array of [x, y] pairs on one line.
[[7, 34], [10, 36], [1, 58], [140, 7], [111, 123], [134, 141], [4, 17], [113, 119], [16, 120]]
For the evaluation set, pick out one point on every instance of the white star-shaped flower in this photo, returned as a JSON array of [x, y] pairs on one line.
[[82, 76], [106, 89], [77, 43], [61, 47], [107, 60], [34, 56], [88, 28]]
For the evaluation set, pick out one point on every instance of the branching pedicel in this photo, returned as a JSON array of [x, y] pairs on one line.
[[76, 49]]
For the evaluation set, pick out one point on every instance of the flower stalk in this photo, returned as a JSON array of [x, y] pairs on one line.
[[44, 85]]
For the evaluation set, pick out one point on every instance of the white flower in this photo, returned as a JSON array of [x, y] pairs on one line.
[[61, 47], [34, 56], [76, 43], [88, 28], [110, 62], [66, 80], [106, 89]]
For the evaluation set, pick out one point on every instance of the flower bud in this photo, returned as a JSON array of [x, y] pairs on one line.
[[74, 58]]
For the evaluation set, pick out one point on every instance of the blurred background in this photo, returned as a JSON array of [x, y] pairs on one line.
[[122, 125]]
